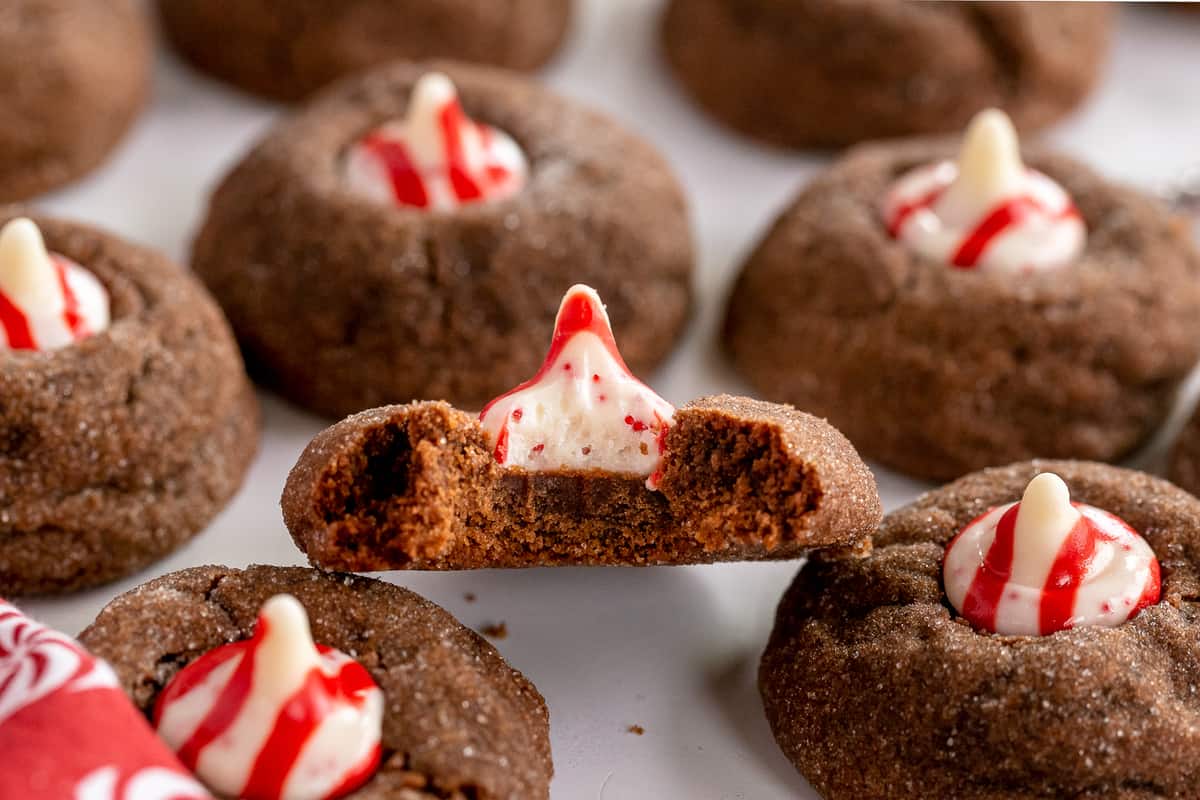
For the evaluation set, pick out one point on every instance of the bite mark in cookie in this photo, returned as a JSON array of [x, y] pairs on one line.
[[554, 474]]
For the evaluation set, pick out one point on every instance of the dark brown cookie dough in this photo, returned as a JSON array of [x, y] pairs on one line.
[[801, 73], [937, 371], [459, 722], [343, 304], [287, 49], [73, 76], [1185, 457], [876, 691], [116, 450], [416, 487]]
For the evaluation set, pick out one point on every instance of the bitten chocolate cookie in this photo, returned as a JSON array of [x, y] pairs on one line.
[[950, 314], [126, 419], [73, 76], [287, 49], [450, 718], [876, 687], [835, 72], [583, 464], [382, 245]]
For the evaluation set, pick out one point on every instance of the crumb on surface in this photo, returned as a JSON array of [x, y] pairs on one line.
[[495, 630], [469, 597], [636, 730]]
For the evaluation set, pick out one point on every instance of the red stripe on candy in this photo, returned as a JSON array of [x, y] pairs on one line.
[[1057, 606], [577, 315], [995, 223], [226, 709], [71, 316], [452, 121], [16, 325], [906, 210], [987, 587], [408, 187]]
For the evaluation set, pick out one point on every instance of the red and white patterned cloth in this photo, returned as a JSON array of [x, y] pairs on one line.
[[275, 717], [67, 732], [1045, 564], [47, 301], [583, 409], [436, 158], [986, 210]]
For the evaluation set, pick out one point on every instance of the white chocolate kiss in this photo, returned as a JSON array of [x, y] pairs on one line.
[[284, 659], [46, 301], [436, 157], [986, 210], [583, 410], [1114, 580]]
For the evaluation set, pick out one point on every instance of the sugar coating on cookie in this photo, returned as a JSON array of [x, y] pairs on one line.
[[275, 717], [986, 210], [583, 410], [437, 157], [72, 731], [47, 301], [1045, 564]]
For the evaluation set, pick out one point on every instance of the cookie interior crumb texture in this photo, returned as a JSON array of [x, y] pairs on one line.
[[459, 722], [877, 691], [416, 487]]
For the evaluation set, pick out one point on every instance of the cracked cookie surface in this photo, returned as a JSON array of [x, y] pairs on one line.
[[459, 722]]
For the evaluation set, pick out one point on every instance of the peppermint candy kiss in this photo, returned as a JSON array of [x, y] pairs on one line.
[[986, 211], [47, 301], [436, 157], [1046, 564], [584, 409], [275, 717]]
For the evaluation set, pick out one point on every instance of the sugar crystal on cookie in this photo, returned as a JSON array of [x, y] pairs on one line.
[[437, 157], [583, 410], [47, 301], [275, 717], [986, 210], [1045, 564]]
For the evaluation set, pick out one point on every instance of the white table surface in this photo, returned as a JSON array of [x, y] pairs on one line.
[[673, 649]]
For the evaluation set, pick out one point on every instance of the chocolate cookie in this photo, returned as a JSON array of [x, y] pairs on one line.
[[1185, 457], [418, 487], [458, 721], [834, 72], [343, 303], [286, 49], [875, 689], [73, 76], [936, 370], [116, 449]]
